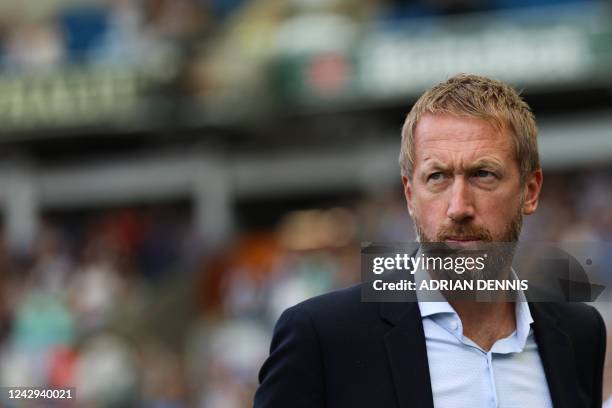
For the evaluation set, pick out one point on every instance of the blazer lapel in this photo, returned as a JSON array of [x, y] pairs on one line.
[[557, 356], [407, 354]]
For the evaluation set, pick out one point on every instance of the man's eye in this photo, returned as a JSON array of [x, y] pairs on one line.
[[483, 174], [435, 176]]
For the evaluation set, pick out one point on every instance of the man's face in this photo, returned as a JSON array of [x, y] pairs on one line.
[[466, 183]]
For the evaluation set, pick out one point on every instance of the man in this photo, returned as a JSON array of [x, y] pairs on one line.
[[470, 171]]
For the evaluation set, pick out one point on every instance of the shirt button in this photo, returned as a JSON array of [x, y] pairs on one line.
[[454, 325]]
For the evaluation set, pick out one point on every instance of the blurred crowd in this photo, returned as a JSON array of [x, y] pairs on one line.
[[226, 58], [133, 309], [52, 34]]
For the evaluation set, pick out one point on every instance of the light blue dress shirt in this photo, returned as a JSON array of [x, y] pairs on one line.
[[510, 375]]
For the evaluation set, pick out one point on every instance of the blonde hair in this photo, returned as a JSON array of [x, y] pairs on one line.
[[475, 96]]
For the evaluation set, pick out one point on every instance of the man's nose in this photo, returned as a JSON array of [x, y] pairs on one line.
[[460, 206]]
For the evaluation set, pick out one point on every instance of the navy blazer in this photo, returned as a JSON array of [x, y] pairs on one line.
[[335, 351]]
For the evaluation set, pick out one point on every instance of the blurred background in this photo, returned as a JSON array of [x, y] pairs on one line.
[[175, 173]]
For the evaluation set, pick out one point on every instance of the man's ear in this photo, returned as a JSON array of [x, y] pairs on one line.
[[408, 194], [531, 191]]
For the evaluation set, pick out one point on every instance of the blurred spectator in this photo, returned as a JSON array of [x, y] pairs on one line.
[[34, 46]]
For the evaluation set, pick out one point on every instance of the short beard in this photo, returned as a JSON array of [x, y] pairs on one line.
[[499, 250]]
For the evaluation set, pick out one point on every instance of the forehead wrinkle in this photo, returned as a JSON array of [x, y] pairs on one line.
[[455, 137], [428, 135], [451, 145], [463, 162], [468, 147], [447, 125], [498, 150], [496, 142], [453, 152], [462, 150]]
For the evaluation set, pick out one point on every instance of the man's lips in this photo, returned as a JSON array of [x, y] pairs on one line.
[[462, 242], [461, 239]]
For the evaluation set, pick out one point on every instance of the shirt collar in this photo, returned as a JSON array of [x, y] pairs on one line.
[[441, 311]]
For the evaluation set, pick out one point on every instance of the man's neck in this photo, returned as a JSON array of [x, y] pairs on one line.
[[486, 322]]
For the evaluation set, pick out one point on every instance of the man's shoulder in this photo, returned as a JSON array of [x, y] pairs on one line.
[[338, 301], [340, 309], [579, 320], [570, 312]]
